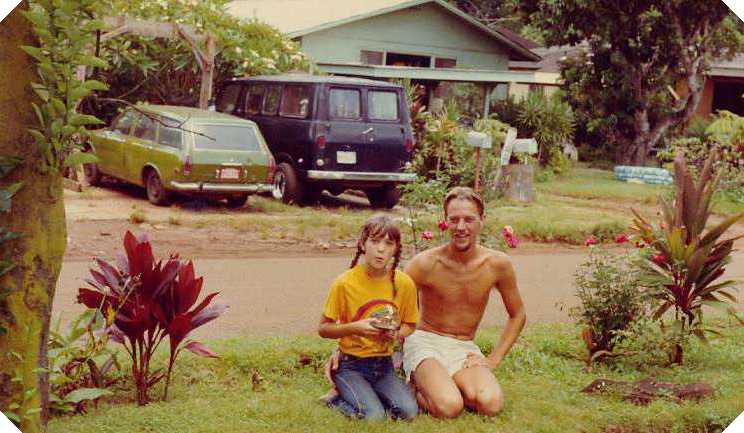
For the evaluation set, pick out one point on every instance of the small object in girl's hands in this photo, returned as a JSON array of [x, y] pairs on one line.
[[386, 319]]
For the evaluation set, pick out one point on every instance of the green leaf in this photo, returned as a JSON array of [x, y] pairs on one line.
[[78, 158], [84, 119], [12, 416], [6, 193], [95, 85], [86, 394], [8, 164], [34, 52], [93, 61], [77, 94]]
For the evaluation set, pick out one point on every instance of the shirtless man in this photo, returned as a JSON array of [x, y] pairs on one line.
[[454, 283]]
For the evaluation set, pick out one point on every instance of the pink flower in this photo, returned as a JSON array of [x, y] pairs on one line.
[[590, 241], [507, 231], [443, 225], [512, 241], [427, 235], [621, 239], [639, 244], [660, 259]]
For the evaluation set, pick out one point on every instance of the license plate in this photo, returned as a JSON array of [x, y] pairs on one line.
[[346, 157], [230, 173]]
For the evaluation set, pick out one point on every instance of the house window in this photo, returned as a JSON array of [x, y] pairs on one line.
[[398, 59], [372, 57], [345, 104], [441, 62]]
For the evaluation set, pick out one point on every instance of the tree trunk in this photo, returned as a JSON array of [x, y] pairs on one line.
[[38, 215]]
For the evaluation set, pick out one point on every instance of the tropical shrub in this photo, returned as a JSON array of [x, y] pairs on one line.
[[724, 135], [610, 298], [145, 301], [549, 120], [444, 154], [81, 365], [684, 260]]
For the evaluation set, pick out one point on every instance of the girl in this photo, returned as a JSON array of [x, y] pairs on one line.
[[363, 303]]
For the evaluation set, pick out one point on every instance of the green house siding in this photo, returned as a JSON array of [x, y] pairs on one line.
[[426, 30]]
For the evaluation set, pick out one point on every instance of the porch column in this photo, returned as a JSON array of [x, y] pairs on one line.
[[487, 89]]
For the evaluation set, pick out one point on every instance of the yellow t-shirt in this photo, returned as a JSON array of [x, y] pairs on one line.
[[355, 296]]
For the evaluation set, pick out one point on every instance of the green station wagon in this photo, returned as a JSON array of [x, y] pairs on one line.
[[185, 150]]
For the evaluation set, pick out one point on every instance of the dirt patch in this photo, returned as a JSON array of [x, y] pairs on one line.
[[644, 391]]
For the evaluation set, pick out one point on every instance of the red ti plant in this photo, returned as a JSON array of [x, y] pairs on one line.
[[685, 260], [144, 301]]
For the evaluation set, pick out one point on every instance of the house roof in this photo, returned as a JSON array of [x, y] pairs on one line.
[[297, 18], [551, 58]]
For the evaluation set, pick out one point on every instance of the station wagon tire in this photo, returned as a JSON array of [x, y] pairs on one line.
[[156, 192], [92, 174], [385, 197], [237, 201], [287, 186]]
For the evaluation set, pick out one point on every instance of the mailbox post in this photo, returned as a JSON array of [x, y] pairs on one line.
[[478, 140]]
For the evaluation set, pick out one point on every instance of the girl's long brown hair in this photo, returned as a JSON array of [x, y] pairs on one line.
[[378, 226]]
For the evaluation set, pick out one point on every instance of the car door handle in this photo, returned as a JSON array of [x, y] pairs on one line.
[[367, 131]]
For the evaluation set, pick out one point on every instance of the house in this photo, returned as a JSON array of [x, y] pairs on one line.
[[429, 42], [723, 90]]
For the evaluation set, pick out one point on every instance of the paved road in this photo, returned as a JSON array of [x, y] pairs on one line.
[[285, 295]]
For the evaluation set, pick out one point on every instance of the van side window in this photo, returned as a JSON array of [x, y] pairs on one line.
[[145, 128], [254, 98], [271, 100], [229, 98], [344, 104], [123, 124], [295, 101], [382, 105], [170, 135]]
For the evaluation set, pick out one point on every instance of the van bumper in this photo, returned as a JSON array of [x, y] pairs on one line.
[[357, 176], [221, 187]]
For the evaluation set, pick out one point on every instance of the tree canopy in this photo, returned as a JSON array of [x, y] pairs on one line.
[[636, 51]]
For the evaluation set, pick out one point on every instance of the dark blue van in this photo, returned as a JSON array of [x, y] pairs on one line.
[[328, 133]]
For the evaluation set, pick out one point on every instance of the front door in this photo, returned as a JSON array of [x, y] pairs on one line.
[[139, 148]]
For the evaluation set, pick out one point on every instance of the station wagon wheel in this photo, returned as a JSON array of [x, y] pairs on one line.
[[92, 174], [156, 192], [287, 187]]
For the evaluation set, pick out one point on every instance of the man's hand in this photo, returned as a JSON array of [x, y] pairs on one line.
[[476, 360]]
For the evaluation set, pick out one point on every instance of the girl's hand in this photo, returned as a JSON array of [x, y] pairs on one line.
[[364, 328]]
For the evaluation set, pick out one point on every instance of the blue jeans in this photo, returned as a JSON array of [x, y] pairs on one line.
[[368, 387]]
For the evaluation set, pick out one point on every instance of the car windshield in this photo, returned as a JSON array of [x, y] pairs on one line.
[[226, 137]]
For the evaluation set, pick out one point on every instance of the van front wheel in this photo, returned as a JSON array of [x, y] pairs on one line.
[[287, 186], [385, 197]]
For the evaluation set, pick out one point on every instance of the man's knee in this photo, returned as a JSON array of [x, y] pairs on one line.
[[446, 405], [489, 402]]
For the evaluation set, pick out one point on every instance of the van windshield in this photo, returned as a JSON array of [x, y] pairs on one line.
[[226, 137]]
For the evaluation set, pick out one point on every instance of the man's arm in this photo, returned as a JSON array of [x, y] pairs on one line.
[[507, 286]]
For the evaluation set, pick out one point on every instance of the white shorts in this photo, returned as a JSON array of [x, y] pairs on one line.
[[449, 351]]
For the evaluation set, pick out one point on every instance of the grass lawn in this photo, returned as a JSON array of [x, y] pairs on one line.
[[541, 379]]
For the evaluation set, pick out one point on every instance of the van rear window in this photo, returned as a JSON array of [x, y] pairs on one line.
[[226, 137], [295, 101], [382, 105], [344, 104], [254, 99]]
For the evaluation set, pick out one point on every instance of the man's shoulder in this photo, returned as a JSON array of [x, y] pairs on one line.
[[495, 258], [426, 259]]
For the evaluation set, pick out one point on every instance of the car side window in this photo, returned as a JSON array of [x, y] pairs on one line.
[[345, 104], [123, 123], [254, 98], [229, 98], [271, 100], [145, 128], [170, 135], [295, 101]]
